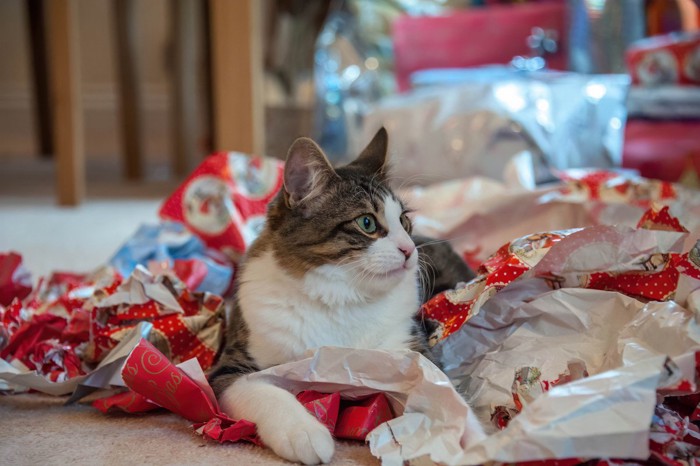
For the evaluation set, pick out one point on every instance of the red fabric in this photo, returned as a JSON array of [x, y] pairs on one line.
[[473, 37]]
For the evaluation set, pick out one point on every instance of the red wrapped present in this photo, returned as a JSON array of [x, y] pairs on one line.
[[429, 42]]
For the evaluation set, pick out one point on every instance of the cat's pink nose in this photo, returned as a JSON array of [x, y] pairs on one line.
[[407, 250]]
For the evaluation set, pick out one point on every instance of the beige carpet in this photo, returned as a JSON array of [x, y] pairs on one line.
[[39, 430]]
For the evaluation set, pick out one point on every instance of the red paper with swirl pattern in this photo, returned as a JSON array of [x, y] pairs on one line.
[[153, 379]]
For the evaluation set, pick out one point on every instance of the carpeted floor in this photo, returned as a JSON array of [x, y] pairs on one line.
[[39, 430]]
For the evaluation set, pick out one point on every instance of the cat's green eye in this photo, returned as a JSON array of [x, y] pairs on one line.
[[367, 223]]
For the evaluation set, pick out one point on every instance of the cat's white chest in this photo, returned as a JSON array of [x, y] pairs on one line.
[[287, 316]]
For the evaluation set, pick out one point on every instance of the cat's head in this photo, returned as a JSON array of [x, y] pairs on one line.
[[347, 217]]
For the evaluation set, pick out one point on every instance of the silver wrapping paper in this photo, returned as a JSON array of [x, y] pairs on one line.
[[476, 128]]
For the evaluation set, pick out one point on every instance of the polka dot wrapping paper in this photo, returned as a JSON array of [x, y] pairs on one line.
[[185, 325], [656, 275], [546, 310]]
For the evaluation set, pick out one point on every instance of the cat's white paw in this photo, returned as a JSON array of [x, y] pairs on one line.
[[298, 438]]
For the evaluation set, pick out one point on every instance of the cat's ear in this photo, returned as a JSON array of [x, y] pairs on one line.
[[307, 171], [374, 158]]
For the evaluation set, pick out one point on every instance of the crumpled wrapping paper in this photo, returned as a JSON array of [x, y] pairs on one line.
[[169, 247], [183, 389], [225, 199], [479, 215], [15, 280], [566, 372], [15, 377], [605, 414], [70, 334], [566, 120], [185, 324], [564, 336]]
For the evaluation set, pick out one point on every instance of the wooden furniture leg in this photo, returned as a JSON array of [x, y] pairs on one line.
[[65, 94], [237, 75], [185, 128], [40, 75], [129, 90]]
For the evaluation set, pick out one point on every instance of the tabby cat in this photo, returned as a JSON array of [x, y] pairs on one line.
[[334, 266]]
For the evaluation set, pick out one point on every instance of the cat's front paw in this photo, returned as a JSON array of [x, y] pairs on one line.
[[303, 439]]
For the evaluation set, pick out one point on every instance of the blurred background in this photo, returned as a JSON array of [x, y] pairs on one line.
[[124, 97]]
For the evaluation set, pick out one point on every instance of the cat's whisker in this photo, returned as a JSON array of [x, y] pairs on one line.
[[406, 182], [413, 179], [438, 241], [426, 268]]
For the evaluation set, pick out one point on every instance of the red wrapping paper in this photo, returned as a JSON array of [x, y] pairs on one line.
[[656, 277], [613, 188], [155, 381], [452, 309], [674, 438], [323, 406], [149, 373], [191, 271], [225, 199], [669, 59], [15, 281], [196, 331], [359, 419], [128, 402], [60, 331]]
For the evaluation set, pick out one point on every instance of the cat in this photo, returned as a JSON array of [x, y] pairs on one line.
[[334, 265]]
